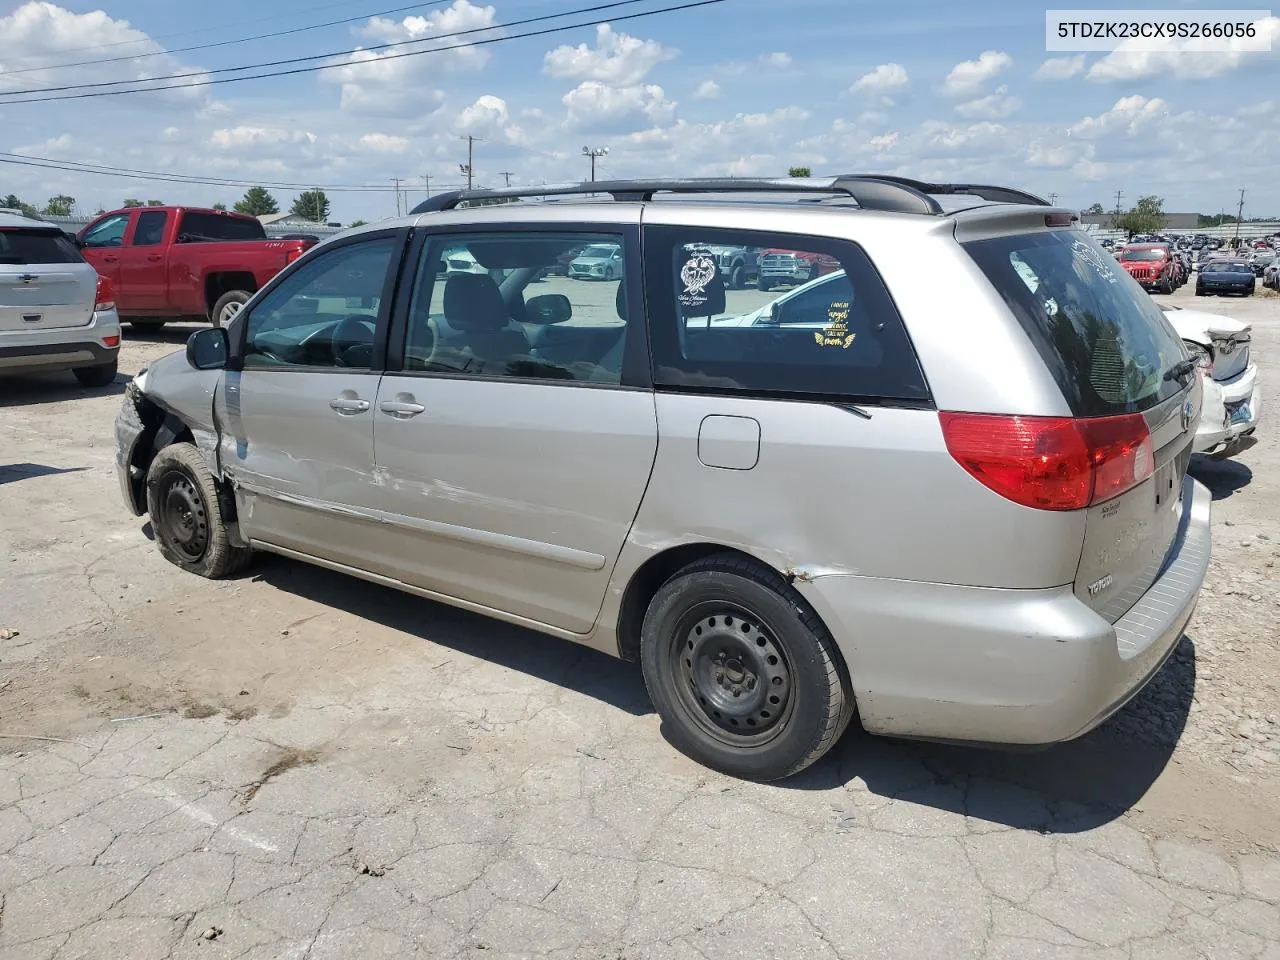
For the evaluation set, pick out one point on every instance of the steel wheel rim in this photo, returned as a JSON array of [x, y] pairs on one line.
[[184, 522], [732, 675], [229, 312]]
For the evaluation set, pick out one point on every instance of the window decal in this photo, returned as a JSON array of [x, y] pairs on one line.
[[837, 334]]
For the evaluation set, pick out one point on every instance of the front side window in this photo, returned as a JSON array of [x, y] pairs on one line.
[[325, 313], [505, 306], [150, 228], [108, 232], [817, 322]]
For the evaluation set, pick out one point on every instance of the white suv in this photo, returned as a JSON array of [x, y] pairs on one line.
[[56, 313]]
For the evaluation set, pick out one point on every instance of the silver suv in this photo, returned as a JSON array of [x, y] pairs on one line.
[[957, 510], [56, 313]]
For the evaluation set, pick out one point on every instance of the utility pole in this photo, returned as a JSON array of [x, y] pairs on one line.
[[468, 169], [1053, 199], [505, 174], [594, 153], [396, 181], [1239, 217], [426, 180]]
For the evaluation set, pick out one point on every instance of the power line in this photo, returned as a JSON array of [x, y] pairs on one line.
[[308, 59], [218, 43]]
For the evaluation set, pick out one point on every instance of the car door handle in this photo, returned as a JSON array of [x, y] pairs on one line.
[[155, 258], [402, 408], [348, 405], [110, 259]]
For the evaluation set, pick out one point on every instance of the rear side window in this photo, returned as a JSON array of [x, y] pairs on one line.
[[203, 227], [23, 246], [1107, 344], [775, 314], [150, 228]]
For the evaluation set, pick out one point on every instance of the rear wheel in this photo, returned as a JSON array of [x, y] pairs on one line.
[[745, 676], [182, 499], [147, 326], [763, 284], [228, 305], [99, 376]]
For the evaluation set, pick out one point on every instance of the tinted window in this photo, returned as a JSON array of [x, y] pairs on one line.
[[500, 305], [816, 321], [108, 232], [1106, 342], [203, 227], [325, 313], [23, 246], [150, 228]]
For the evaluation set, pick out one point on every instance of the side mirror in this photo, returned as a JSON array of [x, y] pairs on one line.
[[548, 308], [208, 349]]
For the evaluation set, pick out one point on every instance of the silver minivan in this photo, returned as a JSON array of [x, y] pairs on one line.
[[954, 506]]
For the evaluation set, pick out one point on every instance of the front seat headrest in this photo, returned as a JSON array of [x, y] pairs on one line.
[[620, 301], [473, 302]]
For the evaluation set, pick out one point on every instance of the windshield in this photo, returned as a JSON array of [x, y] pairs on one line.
[[1106, 342], [1141, 254], [598, 253]]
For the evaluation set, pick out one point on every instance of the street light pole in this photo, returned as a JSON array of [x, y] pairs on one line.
[[594, 153]]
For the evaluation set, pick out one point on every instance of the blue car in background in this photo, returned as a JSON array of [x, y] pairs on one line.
[[1225, 276]]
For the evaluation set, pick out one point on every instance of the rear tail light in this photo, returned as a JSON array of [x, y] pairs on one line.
[[105, 297], [1051, 463], [292, 255], [111, 341]]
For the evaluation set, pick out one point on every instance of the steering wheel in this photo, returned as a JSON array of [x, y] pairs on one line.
[[353, 331]]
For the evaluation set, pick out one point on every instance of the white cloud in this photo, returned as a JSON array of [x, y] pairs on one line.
[[884, 78], [1179, 59], [617, 58], [707, 90], [994, 106], [1060, 68], [884, 142], [384, 143], [240, 137], [1129, 117], [778, 59], [597, 106], [968, 76], [172, 133], [486, 115], [384, 83]]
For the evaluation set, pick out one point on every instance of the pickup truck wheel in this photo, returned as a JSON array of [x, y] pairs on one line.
[[99, 376], [737, 278], [228, 305], [183, 502], [745, 676], [763, 284]]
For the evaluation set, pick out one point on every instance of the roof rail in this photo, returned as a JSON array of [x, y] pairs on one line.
[[871, 193], [996, 194]]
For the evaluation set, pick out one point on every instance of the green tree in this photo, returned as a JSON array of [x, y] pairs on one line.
[[130, 203], [1096, 210], [13, 202], [219, 206], [357, 223], [258, 202], [1146, 216], [311, 204], [60, 206], [799, 172], [155, 203]]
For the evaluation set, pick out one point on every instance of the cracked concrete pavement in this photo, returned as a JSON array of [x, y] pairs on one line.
[[298, 765]]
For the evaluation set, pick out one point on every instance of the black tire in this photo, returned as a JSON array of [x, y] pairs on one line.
[[1199, 291], [763, 284], [1166, 284], [148, 326], [726, 626], [104, 374], [737, 277], [183, 502], [231, 300]]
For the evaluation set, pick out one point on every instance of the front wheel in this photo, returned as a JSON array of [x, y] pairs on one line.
[[746, 678], [763, 284], [182, 499], [737, 278], [100, 376], [228, 305]]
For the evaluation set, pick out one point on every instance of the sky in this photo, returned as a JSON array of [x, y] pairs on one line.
[[935, 90]]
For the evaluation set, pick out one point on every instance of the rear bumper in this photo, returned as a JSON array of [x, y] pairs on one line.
[[1232, 409], [61, 348], [1028, 667]]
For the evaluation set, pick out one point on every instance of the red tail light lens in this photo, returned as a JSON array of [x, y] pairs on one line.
[[1051, 463], [105, 298], [292, 255]]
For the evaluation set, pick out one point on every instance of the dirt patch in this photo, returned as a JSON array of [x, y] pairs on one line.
[[289, 759]]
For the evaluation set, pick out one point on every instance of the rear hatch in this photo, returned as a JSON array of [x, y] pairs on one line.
[[44, 282], [1114, 355]]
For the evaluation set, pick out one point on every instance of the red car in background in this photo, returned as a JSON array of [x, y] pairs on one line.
[[791, 267], [171, 263], [1153, 265]]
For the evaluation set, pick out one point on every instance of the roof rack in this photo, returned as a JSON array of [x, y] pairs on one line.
[[871, 191]]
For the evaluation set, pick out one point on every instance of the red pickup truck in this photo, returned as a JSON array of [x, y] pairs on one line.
[[171, 263]]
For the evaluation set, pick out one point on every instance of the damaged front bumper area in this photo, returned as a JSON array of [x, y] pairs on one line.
[[130, 429]]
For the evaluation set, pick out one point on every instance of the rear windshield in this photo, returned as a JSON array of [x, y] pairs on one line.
[[1107, 344], [1141, 254], [24, 246], [202, 227], [1225, 266]]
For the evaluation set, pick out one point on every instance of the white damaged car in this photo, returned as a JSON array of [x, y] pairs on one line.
[[1232, 400]]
